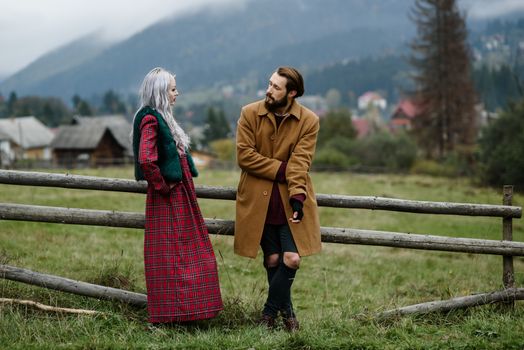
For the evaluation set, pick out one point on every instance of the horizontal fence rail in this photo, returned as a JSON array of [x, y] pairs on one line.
[[26, 178], [506, 247], [22, 212], [71, 286], [506, 295]]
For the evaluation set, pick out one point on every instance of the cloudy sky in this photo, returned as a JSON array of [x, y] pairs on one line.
[[30, 28], [491, 8]]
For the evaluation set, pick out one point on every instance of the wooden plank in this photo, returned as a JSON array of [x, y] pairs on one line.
[[23, 212], [71, 286], [508, 274], [107, 293], [33, 178], [421, 241], [506, 295], [26, 178], [420, 207]]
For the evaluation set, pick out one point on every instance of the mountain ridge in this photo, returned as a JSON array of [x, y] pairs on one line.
[[210, 47], [225, 46]]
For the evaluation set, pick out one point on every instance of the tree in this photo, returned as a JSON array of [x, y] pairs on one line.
[[49, 110], [333, 98], [385, 151], [111, 103], [443, 84], [225, 149], [3, 107], [336, 123], [84, 109], [81, 106], [497, 86], [502, 148], [11, 103], [76, 100], [216, 126]]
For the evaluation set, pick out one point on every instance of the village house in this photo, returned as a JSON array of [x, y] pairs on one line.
[[93, 141], [118, 124], [371, 99], [24, 138], [5, 151], [402, 117]]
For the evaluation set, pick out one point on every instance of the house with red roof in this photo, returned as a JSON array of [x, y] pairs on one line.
[[403, 115], [371, 99]]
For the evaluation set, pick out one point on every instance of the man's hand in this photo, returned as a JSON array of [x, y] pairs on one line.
[[298, 214]]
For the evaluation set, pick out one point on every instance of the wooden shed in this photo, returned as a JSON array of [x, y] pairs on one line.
[[87, 145], [120, 128]]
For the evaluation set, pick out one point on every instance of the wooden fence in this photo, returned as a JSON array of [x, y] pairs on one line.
[[505, 247]]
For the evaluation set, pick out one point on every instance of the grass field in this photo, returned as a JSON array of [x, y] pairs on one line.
[[336, 293]]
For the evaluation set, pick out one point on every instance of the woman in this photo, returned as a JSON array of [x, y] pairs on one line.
[[180, 266]]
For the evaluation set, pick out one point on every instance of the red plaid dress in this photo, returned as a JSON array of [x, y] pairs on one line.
[[180, 266]]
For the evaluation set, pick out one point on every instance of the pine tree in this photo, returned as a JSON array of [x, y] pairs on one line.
[[81, 107], [11, 101], [111, 103], [216, 126], [444, 88], [336, 124], [502, 148]]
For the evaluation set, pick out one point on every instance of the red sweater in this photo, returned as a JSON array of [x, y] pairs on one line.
[[276, 215]]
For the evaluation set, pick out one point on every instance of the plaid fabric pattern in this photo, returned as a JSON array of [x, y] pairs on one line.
[[180, 265]]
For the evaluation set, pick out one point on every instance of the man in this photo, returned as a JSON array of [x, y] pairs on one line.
[[276, 206]]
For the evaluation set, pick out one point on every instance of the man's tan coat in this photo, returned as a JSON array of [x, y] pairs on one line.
[[260, 151]]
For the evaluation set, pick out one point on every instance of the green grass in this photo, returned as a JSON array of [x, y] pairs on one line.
[[336, 293]]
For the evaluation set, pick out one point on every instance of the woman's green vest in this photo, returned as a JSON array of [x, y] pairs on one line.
[[168, 159]]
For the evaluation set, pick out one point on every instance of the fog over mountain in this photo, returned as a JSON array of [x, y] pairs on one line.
[[223, 45], [212, 46]]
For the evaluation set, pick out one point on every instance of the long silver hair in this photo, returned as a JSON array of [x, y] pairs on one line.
[[154, 93]]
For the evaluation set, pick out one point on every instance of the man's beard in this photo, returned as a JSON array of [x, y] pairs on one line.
[[275, 104]]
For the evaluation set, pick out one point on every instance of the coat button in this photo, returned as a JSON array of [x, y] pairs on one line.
[[265, 193]]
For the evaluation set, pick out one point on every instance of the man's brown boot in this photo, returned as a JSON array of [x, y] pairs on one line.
[[267, 321], [291, 324]]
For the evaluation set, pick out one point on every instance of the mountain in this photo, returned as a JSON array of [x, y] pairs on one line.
[[223, 45], [55, 62]]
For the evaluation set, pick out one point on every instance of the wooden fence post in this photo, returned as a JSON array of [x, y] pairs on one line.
[[508, 277]]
